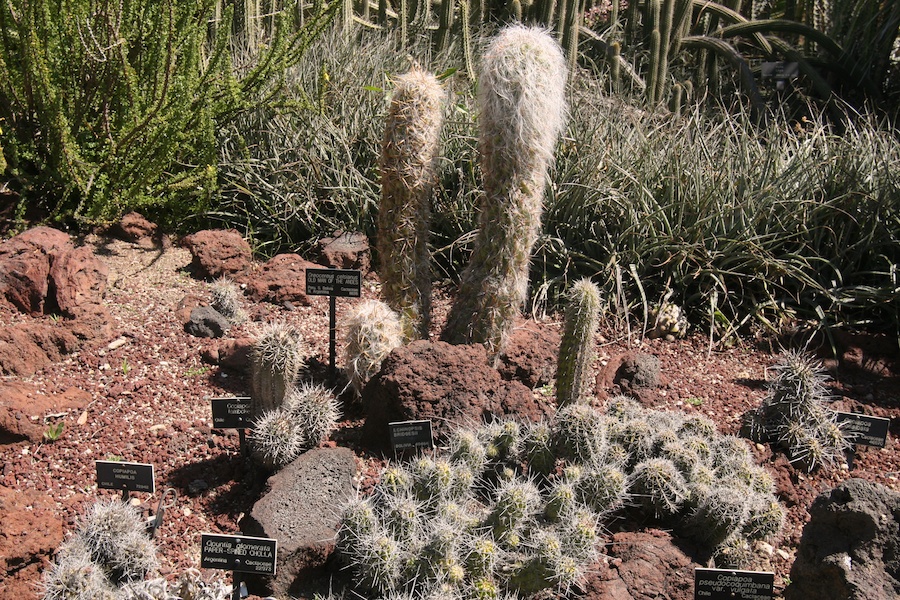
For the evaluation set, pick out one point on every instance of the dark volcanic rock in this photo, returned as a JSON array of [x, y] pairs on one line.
[[205, 321], [301, 509], [449, 384], [850, 549]]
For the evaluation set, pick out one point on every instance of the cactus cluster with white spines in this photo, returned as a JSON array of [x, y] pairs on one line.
[[526, 501], [794, 414], [306, 418], [110, 550], [576, 349]]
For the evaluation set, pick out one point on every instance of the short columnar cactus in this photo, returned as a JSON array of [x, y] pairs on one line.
[[408, 157], [576, 349], [373, 330], [659, 487], [521, 113], [276, 360]]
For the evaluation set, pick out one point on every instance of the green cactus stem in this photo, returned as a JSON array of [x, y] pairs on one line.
[[576, 349], [276, 360]]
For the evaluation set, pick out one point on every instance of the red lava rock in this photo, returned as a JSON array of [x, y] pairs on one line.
[[449, 384], [30, 534], [218, 253], [234, 354], [186, 305], [78, 279], [28, 347], [281, 279], [530, 355], [135, 228], [24, 271], [23, 408], [645, 565], [346, 250]]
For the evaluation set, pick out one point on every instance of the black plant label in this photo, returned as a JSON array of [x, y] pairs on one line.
[[131, 477], [864, 430], [334, 282], [725, 584], [240, 553], [231, 413]]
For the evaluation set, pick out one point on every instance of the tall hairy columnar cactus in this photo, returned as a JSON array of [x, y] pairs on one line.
[[408, 173], [576, 350], [521, 114]]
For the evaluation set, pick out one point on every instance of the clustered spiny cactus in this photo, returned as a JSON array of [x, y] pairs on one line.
[[226, 300], [306, 418], [794, 415], [521, 113], [408, 157], [517, 507]]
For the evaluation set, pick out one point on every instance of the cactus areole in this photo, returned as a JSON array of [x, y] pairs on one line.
[[522, 110]]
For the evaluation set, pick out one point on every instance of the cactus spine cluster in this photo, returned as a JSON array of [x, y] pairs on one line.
[[305, 420], [226, 299], [521, 113], [110, 551], [576, 349], [794, 414], [276, 360], [408, 172], [373, 330], [490, 515]]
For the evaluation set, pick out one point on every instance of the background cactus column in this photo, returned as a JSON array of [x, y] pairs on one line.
[[576, 349], [522, 112], [408, 154]]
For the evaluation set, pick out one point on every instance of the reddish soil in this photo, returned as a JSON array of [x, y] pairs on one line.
[[150, 389]]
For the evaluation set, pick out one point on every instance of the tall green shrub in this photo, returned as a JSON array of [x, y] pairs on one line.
[[113, 106], [521, 114], [408, 155]]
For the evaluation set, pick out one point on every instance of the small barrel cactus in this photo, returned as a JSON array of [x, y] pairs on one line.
[[373, 330], [659, 487], [226, 299], [408, 156], [276, 360], [576, 350]]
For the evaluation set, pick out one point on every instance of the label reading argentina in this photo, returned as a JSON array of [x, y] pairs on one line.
[[406, 435], [864, 430], [334, 282], [238, 553], [722, 584], [132, 477], [231, 413]]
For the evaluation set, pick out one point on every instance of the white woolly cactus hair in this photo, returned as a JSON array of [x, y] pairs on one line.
[[522, 107], [373, 330], [521, 92]]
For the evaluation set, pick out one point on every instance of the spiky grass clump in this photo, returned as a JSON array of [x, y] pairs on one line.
[[794, 414], [305, 420], [276, 360], [576, 349], [227, 300], [521, 114], [373, 330], [408, 172]]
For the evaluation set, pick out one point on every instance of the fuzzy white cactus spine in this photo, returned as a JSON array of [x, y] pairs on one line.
[[576, 349], [408, 172], [522, 109], [373, 330]]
